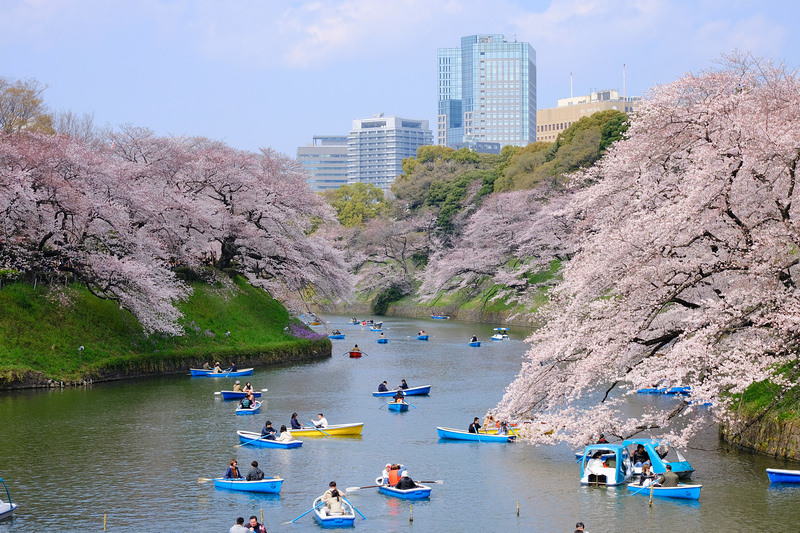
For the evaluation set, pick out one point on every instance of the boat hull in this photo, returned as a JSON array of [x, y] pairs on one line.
[[200, 373], [339, 430], [681, 492], [355, 355], [422, 337], [344, 520], [398, 406], [437, 317], [270, 486], [458, 434], [411, 391], [7, 509], [777, 475], [250, 411], [336, 336], [418, 493], [249, 438], [235, 395], [475, 344], [383, 341]]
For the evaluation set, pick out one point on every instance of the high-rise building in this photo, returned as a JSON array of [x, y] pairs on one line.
[[377, 146], [487, 92], [554, 120], [325, 160]]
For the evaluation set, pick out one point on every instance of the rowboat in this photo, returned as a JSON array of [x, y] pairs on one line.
[[254, 439], [315, 323], [249, 410], [422, 337], [336, 430], [683, 492], [335, 520], [355, 354], [339, 336], [417, 493], [666, 390], [439, 317], [501, 335], [6, 508], [238, 395], [383, 341], [475, 344], [375, 329], [202, 373], [398, 406], [657, 453], [269, 485], [616, 469], [411, 391], [460, 434], [776, 475]]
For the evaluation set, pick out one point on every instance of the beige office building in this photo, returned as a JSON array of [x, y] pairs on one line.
[[552, 121]]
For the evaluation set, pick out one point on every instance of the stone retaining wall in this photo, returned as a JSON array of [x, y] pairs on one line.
[[768, 437]]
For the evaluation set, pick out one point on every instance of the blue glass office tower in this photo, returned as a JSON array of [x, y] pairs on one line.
[[487, 92]]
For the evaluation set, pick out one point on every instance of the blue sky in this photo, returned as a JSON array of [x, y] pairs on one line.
[[272, 73]]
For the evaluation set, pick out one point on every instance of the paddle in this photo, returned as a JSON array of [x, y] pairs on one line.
[[354, 508], [251, 441], [384, 405], [204, 479], [315, 427], [353, 489], [302, 515], [640, 490], [412, 405]]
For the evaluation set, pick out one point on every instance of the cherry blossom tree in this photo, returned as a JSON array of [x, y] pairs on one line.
[[686, 273]]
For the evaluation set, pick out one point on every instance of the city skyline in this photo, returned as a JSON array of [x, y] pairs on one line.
[[274, 76]]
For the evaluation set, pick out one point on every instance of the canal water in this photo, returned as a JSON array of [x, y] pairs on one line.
[[127, 455]]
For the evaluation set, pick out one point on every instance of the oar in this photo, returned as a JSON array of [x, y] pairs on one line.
[[249, 441], [354, 508], [437, 482], [204, 479], [302, 515], [640, 490], [315, 427], [353, 489], [412, 405], [384, 405]]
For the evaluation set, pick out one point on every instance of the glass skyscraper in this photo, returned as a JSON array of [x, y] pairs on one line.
[[487, 92]]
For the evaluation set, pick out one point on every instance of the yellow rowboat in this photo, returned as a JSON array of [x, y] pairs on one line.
[[336, 430]]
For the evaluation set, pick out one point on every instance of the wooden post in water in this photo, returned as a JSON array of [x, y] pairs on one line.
[[262, 515], [104, 522], [517, 507], [410, 513]]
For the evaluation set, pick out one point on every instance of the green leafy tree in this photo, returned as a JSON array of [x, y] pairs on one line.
[[612, 131], [357, 203], [22, 107]]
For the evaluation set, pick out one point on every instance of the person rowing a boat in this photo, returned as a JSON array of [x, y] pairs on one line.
[[217, 368], [237, 387], [646, 477], [403, 384], [322, 422], [206, 366], [382, 387], [255, 474], [356, 349], [668, 478], [475, 427], [474, 338], [333, 500], [405, 482], [247, 402], [398, 396], [233, 367], [502, 429], [268, 432]]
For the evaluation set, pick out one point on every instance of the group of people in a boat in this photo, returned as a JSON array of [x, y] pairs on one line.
[[397, 476], [217, 369], [255, 474], [383, 388], [501, 425]]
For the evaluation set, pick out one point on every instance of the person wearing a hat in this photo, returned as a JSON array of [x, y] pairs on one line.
[[237, 386], [405, 482], [217, 368]]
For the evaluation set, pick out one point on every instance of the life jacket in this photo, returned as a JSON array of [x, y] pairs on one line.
[[394, 476]]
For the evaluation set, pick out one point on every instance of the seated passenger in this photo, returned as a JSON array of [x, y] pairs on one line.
[[640, 456], [382, 387], [237, 386], [285, 435], [385, 474], [405, 482]]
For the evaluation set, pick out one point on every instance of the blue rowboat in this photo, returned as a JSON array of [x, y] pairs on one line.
[[254, 439], [439, 317], [237, 395], [658, 453], [411, 391], [460, 434], [375, 329], [249, 411], [422, 337], [776, 475], [201, 373], [417, 493], [475, 344], [683, 492], [678, 390], [335, 520], [652, 391], [272, 486], [398, 406], [340, 336], [383, 341]]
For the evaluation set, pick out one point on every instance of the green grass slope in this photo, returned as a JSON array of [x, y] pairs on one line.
[[42, 330]]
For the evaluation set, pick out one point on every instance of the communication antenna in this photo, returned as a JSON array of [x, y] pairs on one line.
[[623, 83], [570, 84]]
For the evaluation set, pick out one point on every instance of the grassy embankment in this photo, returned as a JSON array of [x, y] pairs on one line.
[[41, 335]]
